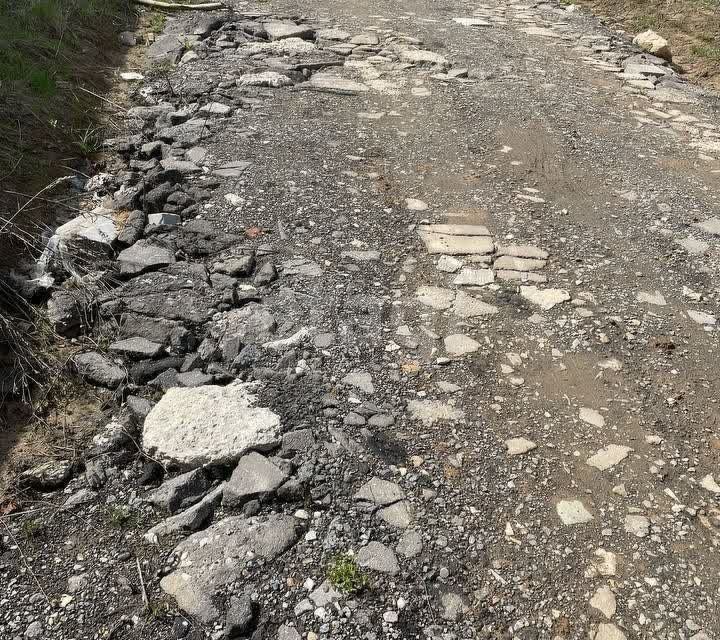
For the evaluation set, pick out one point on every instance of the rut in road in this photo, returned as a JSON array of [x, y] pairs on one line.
[[423, 333]]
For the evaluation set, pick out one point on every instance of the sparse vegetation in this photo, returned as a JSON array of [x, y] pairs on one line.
[[32, 529], [691, 26], [345, 575], [119, 516]]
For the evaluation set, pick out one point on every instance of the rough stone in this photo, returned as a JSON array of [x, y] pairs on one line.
[[180, 492], [638, 526], [210, 560], [144, 256], [410, 544], [573, 512], [277, 30], [546, 299], [377, 557], [604, 601], [210, 424], [137, 348], [653, 43], [519, 446], [254, 477], [609, 456], [379, 492], [430, 411], [97, 369], [459, 344]]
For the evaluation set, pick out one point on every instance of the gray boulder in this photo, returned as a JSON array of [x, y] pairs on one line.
[[180, 492], [47, 476], [137, 348], [254, 477], [144, 256], [251, 324], [377, 557], [191, 519], [208, 561], [96, 369]]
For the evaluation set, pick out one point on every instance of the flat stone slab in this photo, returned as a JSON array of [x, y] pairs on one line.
[[519, 264], [467, 306], [701, 317], [459, 344], [431, 411], [380, 492], [522, 251], [335, 83], [452, 244], [519, 446], [279, 30], [361, 380], [609, 456], [233, 169], [456, 229], [591, 416], [210, 560], [656, 298], [693, 246], [711, 225], [546, 299], [209, 425], [474, 277], [421, 57], [254, 477], [144, 256], [573, 512], [377, 557], [435, 297], [137, 348], [271, 79]]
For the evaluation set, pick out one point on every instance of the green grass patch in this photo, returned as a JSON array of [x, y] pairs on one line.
[[49, 49], [706, 51], [345, 575]]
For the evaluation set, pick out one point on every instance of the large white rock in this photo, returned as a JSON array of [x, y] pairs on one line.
[[209, 425], [653, 43]]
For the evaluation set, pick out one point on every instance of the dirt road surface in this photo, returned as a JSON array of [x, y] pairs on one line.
[[486, 366]]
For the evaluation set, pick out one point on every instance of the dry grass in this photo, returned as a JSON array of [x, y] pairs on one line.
[[691, 26]]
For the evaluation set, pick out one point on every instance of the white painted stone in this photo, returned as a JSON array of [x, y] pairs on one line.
[[609, 456], [573, 512], [209, 425], [546, 299]]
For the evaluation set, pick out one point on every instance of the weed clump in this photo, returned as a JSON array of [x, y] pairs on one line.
[[345, 575]]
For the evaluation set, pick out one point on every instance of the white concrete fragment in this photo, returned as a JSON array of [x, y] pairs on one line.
[[573, 512], [546, 299], [608, 457]]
